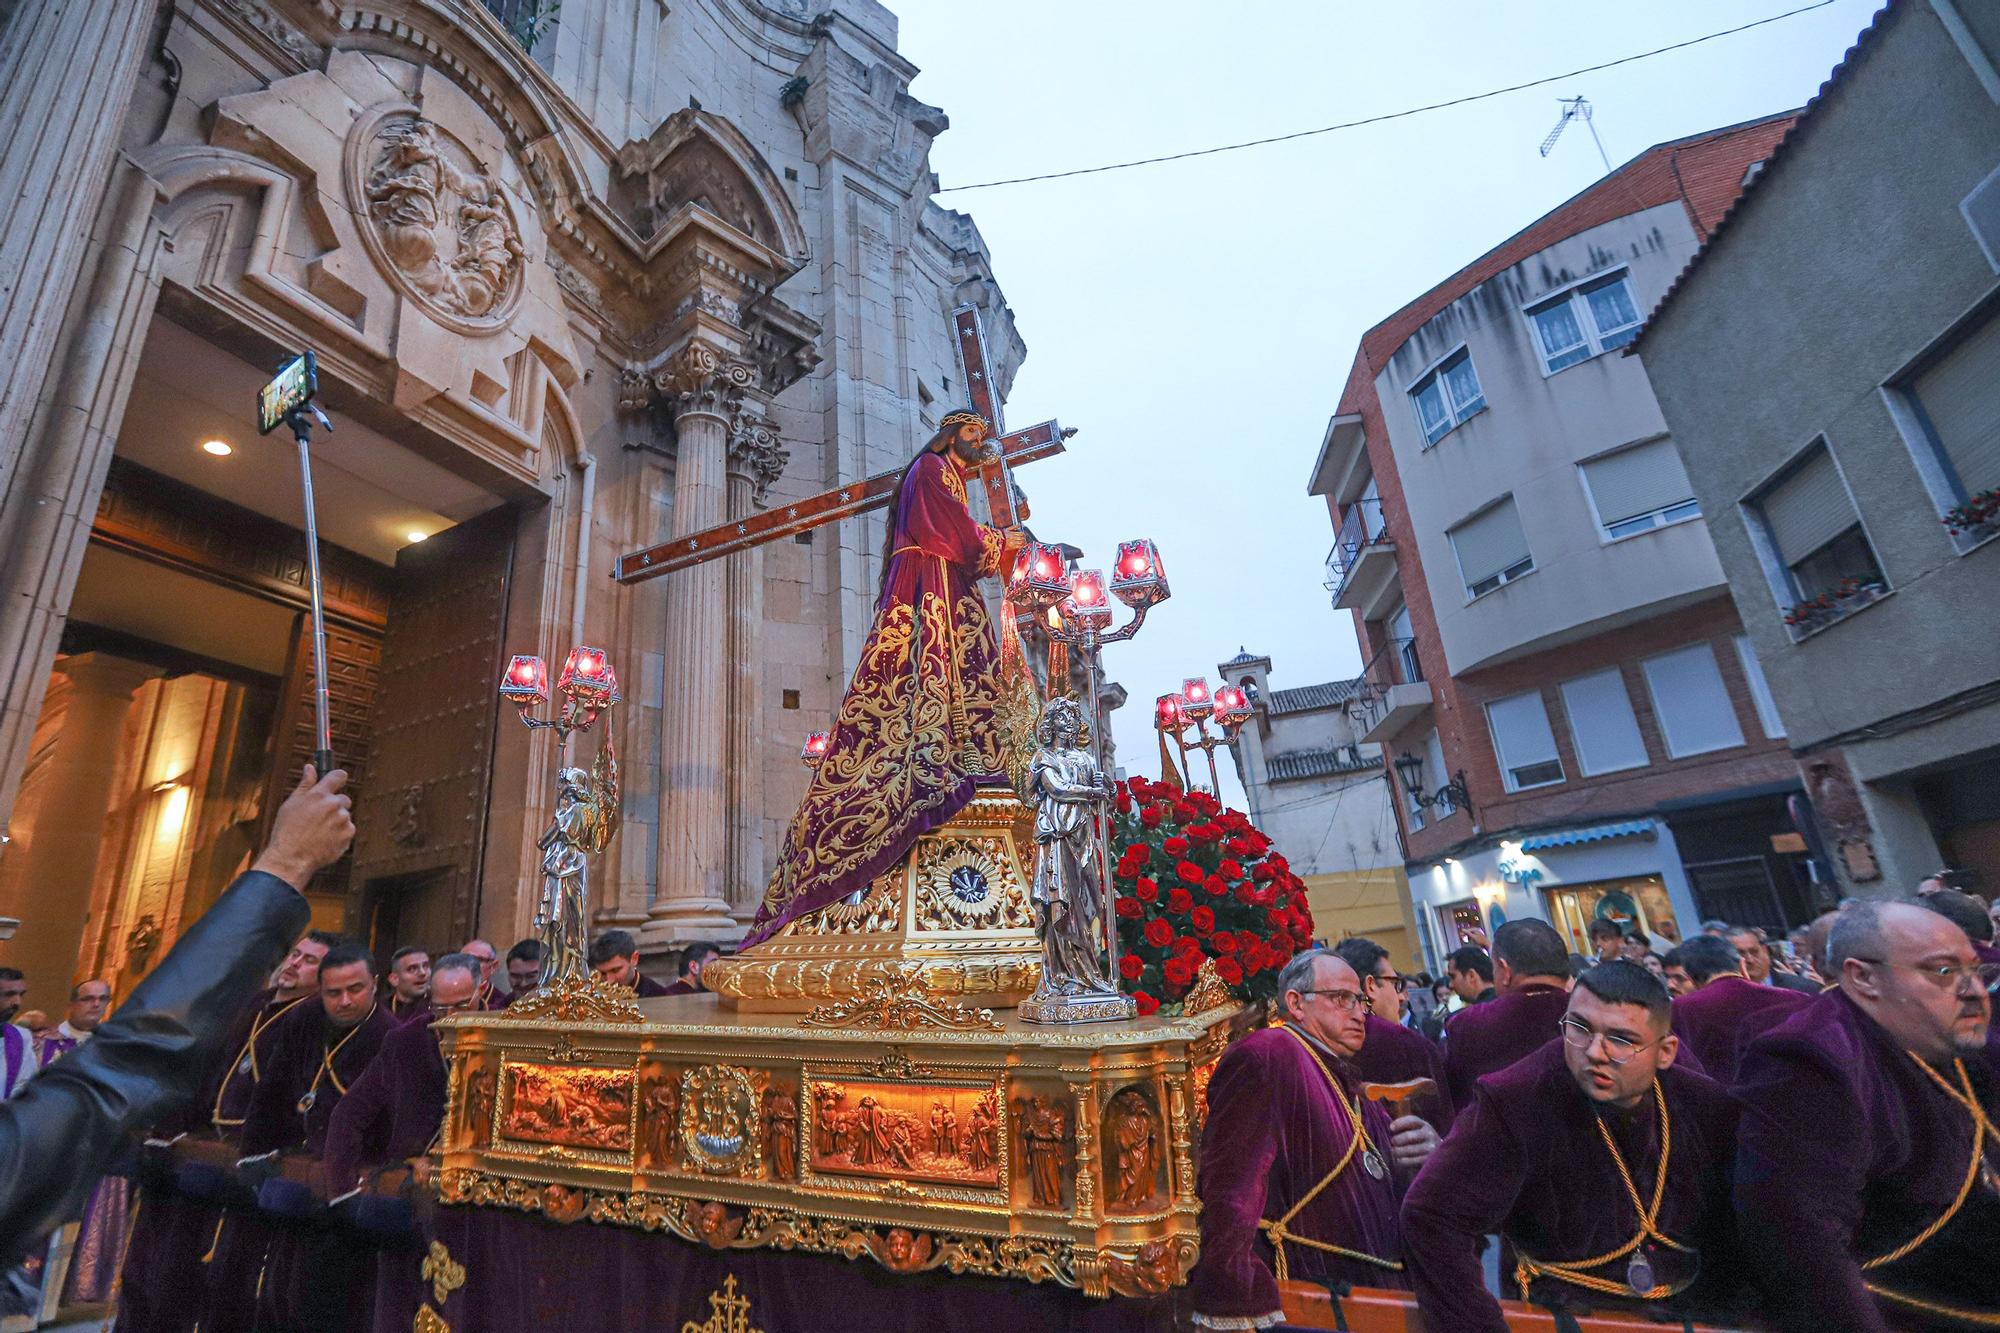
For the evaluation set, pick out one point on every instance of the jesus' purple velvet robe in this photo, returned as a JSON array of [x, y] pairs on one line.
[[1482, 1039], [392, 1112], [1274, 1131], [916, 730], [1392, 1053], [1718, 1022], [1525, 1160], [1848, 1150]]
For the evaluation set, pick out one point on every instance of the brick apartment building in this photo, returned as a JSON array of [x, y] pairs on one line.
[[1543, 615]]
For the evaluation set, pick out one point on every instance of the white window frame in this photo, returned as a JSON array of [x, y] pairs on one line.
[[1577, 733], [1934, 466], [1665, 516], [1456, 414], [1661, 713], [1520, 569], [1785, 591], [1507, 779], [1594, 338]]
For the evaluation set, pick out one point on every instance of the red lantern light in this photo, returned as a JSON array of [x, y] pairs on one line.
[[1136, 576], [1086, 604], [1167, 714], [525, 682], [1232, 706], [588, 679], [815, 748], [1198, 703], [1037, 580]]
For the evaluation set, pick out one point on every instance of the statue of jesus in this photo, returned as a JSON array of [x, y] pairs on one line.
[[916, 733]]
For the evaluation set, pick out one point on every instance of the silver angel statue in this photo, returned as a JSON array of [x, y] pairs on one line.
[[1071, 794], [586, 816]]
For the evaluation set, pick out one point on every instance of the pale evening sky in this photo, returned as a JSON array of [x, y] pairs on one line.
[[1196, 320]]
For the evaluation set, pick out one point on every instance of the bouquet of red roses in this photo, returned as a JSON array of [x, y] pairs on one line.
[[1196, 881]]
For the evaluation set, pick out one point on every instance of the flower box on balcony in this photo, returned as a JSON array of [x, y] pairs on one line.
[[1974, 521], [1815, 614]]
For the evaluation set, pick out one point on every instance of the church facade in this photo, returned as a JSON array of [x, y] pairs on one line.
[[578, 281]]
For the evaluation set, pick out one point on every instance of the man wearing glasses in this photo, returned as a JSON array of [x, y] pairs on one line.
[[1299, 1175], [1604, 1165], [1392, 1053], [1869, 1160]]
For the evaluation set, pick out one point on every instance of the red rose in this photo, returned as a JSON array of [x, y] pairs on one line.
[[1178, 901], [1129, 908], [1204, 833], [1158, 933], [1146, 890], [1175, 846], [1256, 960], [1185, 813], [1130, 966], [1179, 972], [1230, 869], [1246, 940], [1148, 1004], [1150, 816], [1223, 943], [1278, 920], [1125, 869], [1139, 787], [1246, 894], [1188, 946], [1203, 919], [1216, 886], [1229, 971], [1263, 872], [1124, 802], [1189, 872]]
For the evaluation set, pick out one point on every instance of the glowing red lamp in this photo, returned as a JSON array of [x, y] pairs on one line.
[[1232, 706], [526, 682], [1196, 701], [587, 677], [1167, 715], [1038, 580], [1087, 606], [1136, 576], [815, 748]]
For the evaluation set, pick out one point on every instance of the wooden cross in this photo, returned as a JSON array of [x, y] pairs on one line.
[[1044, 440]]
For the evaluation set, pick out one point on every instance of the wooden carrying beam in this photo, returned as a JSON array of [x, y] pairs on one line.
[[1022, 446], [1371, 1310]]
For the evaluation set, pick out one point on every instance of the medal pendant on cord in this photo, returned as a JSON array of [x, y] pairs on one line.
[[1372, 1163], [1639, 1273], [306, 1102]]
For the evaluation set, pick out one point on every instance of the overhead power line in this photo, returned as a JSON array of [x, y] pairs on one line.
[[1390, 115]]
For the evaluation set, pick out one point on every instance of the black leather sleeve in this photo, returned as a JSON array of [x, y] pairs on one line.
[[65, 1126]]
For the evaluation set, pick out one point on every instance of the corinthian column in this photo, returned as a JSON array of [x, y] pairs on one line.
[[755, 461], [704, 387]]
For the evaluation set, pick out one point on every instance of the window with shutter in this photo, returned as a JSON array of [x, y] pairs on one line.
[[1601, 723], [1523, 742], [1641, 488], [1691, 701], [1812, 525], [1959, 396], [1491, 548]]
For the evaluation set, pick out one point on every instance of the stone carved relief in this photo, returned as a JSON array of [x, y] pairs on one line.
[[754, 451], [260, 18], [442, 227], [703, 378]]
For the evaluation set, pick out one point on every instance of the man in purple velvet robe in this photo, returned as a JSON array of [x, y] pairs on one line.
[[176, 1228], [314, 1054], [1392, 1053], [1867, 1161], [1724, 1010], [614, 958], [1299, 1176], [1537, 1157], [917, 730], [409, 983], [1531, 974], [392, 1112]]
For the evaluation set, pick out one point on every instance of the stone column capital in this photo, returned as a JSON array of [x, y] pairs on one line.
[[104, 675], [755, 452], [703, 378]]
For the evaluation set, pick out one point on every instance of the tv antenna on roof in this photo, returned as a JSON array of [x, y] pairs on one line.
[[1576, 108]]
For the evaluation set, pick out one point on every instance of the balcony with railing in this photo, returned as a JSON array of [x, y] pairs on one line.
[[1361, 567], [1393, 695]]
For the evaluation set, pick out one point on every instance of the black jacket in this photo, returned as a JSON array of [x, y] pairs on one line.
[[62, 1130]]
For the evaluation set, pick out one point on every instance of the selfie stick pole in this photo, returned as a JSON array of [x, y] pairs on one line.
[[301, 424]]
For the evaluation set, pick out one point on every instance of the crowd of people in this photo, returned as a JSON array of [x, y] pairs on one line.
[[264, 1199], [1700, 1132]]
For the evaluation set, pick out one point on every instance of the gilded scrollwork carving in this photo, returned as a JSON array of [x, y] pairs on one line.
[[968, 883], [441, 225], [901, 1001], [880, 909], [579, 1000]]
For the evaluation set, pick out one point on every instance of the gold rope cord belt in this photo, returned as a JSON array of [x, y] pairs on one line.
[[1526, 1269], [249, 1052], [1279, 1231], [1981, 1127]]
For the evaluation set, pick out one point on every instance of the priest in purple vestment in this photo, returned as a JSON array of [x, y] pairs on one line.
[[1867, 1161], [1723, 1011], [1299, 1176], [1604, 1165], [1531, 974], [918, 729], [99, 1244]]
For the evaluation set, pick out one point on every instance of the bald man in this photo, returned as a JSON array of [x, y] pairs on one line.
[[1856, 1164], [1291, 1150]]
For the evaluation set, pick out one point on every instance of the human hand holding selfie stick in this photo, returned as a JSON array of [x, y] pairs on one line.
[[289, 399]]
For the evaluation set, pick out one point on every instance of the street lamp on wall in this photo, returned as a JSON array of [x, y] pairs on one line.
[[1410, 769]]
